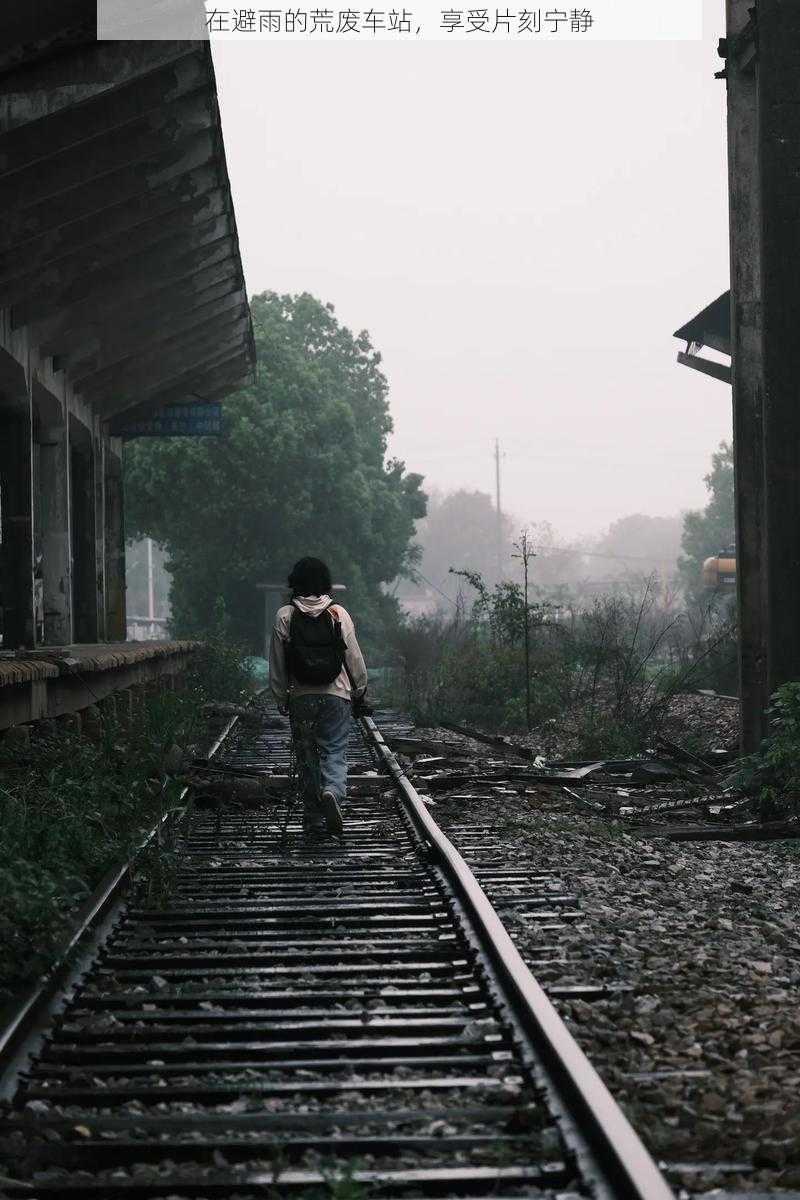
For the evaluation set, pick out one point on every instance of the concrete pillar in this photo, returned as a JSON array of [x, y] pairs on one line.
[[16, 542], [55, 537], [99, 457], [747, 355], [779, 137], [762, 51], [116, 625], [84, 548]]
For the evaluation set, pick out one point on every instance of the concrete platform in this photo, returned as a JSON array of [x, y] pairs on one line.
[[60, 680]]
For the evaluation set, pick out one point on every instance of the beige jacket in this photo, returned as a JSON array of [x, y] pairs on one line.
[[282, 685]]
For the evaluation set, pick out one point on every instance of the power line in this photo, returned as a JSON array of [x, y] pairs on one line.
[[430, 583]]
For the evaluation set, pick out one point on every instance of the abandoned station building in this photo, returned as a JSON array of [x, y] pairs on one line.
[[121, 295]]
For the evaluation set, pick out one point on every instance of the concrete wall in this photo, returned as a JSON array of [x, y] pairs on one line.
[[62, 558]]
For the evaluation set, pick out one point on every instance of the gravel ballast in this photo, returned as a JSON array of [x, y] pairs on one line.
[[698, 945]]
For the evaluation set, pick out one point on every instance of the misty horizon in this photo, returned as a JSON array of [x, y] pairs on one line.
[[520, 241]]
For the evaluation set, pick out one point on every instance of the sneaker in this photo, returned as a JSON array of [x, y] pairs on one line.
[[332, 814], [313, 819]]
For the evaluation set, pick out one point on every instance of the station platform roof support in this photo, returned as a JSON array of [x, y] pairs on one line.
[[121, 292]]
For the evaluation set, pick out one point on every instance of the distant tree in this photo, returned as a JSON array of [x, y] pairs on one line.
[[639, 545], [460, 530], [558, 567], [301, 469], [711, 530]]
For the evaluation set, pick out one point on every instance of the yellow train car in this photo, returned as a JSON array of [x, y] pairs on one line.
[[719, 571]]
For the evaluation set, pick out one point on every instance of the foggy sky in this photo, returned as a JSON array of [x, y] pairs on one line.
[[520, 228]]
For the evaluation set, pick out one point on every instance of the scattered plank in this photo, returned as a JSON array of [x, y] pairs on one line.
[[414, 746], [686, 756], [751, 831], [492, 739]]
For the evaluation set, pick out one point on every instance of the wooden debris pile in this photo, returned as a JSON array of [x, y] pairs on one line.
[[656, 792]]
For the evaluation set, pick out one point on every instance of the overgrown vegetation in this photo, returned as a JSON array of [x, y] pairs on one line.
[[71, 809], [606, 671], [772, 774]]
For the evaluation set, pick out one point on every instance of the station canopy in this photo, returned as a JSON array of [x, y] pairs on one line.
[[119, 254]]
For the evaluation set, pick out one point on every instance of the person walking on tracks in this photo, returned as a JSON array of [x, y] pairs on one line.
[[317, 672]]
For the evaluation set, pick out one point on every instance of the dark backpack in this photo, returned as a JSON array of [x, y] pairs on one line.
[[316, 648]]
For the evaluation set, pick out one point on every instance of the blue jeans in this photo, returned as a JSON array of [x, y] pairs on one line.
[[321, 730]]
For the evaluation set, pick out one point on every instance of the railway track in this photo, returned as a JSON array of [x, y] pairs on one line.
[[314, 1019]]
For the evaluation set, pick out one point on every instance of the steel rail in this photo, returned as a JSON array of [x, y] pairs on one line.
[[629, 1172], [35, 1003]]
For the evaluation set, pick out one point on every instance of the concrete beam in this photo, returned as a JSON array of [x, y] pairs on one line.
[[160, 265], [175, 310], [37, 90], [85, 326], [182, 366], [146, 139], [157, 329], [32, 31], [78, 128], [59, 693], [189, 193], [91, 200], [191, 386], [138, 367], [194, 225]]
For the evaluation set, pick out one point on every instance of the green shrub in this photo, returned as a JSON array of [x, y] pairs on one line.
[[773, 772], [72, 809], [218, 668]]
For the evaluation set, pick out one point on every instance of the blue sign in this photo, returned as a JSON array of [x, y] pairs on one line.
[[175, 420]]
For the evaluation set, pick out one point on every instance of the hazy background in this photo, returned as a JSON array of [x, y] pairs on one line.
[[521, 228]]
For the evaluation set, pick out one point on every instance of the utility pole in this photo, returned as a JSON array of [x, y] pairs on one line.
[[762, 49], [498, 510], [526, 553]]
